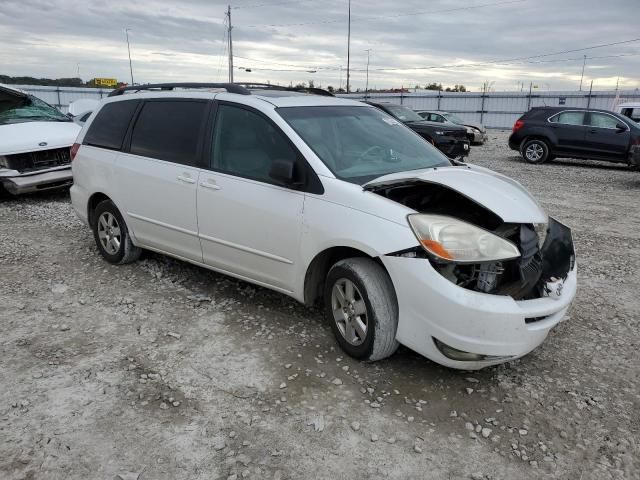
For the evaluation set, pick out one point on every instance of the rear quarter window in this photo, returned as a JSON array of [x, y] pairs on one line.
[[110, 125], [169, 130]]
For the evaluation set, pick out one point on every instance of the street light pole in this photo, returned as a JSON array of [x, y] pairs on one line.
[[348, 44], [366, 88], [582, 75], [126, 31], [230, 45]]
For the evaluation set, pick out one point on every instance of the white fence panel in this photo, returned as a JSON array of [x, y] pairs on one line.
[[61, 96], [500, 109], [494, 109]]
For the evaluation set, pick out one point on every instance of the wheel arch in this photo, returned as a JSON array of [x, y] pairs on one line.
[[318, 268], [539, 136], [93, 202]]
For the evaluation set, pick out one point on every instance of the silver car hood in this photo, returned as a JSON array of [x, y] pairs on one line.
[[502, 195]]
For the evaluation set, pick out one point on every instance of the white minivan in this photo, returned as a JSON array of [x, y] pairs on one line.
[[327, 200]]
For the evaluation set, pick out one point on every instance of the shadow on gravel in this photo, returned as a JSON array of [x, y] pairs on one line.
[[571, 162]]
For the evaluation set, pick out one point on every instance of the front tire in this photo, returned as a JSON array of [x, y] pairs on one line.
[[112, 235], [361, 304], [535, 151]]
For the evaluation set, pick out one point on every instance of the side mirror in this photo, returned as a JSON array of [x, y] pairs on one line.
[[287, 172], [621, 127]]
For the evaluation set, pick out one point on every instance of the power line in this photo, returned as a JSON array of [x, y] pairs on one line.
[[376, 17], [259, 5], [304, 68], [497, 62]]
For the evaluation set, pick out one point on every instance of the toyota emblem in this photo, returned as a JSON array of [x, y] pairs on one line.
[[43, 144]]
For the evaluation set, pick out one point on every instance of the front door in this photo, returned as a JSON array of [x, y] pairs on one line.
[[249, 225], [604, 137], [159, 176], [570, 131]]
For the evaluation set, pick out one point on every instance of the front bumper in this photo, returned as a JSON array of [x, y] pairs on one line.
[[453, 148], [431, 307], [16, 183], [478, 137]]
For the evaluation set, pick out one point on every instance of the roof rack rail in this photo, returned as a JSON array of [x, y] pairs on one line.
[[229, 87], [268, 86]]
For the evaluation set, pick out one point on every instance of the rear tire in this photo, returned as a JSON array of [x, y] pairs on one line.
[[535, 151], [361, 305], [112, 235]]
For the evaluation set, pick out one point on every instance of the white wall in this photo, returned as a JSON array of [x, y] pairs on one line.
[[498, 109], [62, 96]]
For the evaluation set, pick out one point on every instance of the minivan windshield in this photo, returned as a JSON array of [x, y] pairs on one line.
[[359, 144], [29, 109]]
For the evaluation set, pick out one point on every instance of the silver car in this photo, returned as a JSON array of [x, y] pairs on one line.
[[476, 132]]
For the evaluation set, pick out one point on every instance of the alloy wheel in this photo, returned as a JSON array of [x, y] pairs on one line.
[[109, 233], [534, 152], [349, 311]]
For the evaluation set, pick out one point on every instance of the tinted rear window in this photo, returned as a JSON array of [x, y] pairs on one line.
[[169, 130], [110, 125]]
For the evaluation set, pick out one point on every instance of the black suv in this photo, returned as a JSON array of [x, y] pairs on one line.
[[449, 139], [544, 133]]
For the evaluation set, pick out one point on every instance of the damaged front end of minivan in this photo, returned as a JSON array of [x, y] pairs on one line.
[[473, 246]]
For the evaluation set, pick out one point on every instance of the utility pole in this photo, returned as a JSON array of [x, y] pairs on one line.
[[584, 61], [366, 88], [230, 44], [126, 31], [348, 45]]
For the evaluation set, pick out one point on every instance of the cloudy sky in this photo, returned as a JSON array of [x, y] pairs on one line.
[[295, 41]]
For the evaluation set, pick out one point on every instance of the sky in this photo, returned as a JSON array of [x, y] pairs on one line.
[[297, 41]]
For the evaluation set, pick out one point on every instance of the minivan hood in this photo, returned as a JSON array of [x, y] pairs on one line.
[[34, 136], [498, 193]]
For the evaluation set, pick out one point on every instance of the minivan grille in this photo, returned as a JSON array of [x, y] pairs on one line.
[[25, 162]]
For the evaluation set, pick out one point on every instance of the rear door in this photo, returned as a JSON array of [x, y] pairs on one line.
[[604, 138], [249, 225], [569, 130], [159, 173]]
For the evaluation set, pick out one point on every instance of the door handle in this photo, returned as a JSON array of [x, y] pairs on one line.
[[593, 130], [186, 179], [210, 184]]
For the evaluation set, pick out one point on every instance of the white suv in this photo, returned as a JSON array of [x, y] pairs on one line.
[[331, 200]]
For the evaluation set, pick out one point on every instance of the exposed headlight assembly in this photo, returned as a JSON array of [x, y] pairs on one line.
[[541, 229], [453, 240]]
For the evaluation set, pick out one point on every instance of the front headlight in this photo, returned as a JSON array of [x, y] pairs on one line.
[[453, 240], [470, 130]]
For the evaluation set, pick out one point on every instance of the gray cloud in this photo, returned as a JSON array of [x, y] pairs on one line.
[[184, 41]]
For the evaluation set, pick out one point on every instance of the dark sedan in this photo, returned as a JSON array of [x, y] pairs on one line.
[[449, 139]]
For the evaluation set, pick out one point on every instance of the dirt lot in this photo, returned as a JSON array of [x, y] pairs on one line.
[[163, 370]]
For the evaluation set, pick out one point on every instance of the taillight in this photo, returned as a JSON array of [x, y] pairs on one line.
[[74, 150], [518, 125]]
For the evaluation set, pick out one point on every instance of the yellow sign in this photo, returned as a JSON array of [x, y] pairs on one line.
[[105, 82]]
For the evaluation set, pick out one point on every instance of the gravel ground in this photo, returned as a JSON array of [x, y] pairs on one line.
[[163, 370]]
